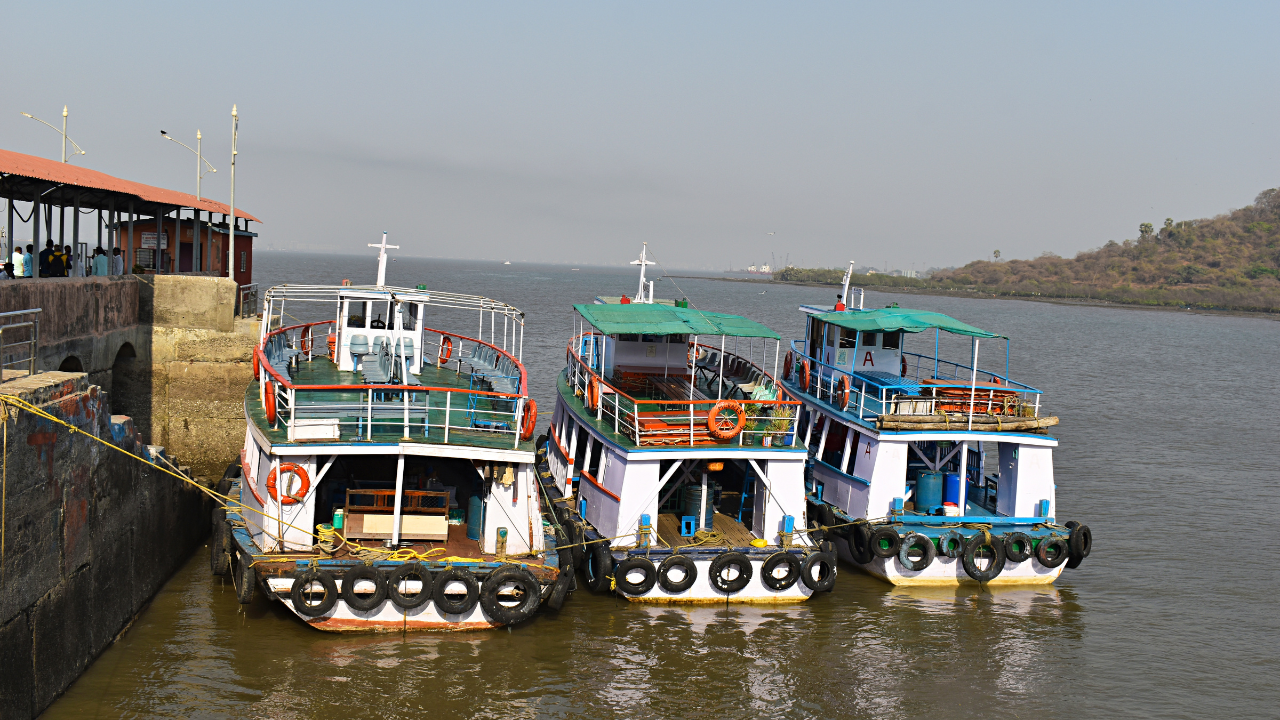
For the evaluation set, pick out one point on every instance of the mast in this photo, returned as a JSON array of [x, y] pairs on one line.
[[382, 258], [844, 294], [642, 262]]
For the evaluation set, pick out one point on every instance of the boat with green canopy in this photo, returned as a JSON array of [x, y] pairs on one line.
[[926, 470]]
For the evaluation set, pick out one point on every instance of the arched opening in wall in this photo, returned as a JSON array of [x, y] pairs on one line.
[[71, 364], [130, 391]]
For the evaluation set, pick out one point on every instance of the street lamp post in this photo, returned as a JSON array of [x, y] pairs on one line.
[[200, 171], [231, 236], [63, 132]]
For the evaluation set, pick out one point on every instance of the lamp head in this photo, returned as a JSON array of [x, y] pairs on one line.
[[197, 134], [233, 111], [64, 111]]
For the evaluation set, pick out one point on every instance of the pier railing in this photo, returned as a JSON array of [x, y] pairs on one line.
[[676, 422], [359, 411], [929, 386], [19, 337]]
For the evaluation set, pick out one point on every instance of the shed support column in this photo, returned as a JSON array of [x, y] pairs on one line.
[[13, 236], [35, 235], [75, 237]]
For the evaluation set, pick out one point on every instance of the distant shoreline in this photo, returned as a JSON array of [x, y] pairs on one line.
[[1081, 302]]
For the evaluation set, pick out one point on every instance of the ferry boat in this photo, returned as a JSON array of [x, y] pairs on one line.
[[925, 470], [672, 464], [407, 448]]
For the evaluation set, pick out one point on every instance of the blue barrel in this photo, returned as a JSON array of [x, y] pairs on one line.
[[951, 488], [475, 518], [928, 491], [692, 497]]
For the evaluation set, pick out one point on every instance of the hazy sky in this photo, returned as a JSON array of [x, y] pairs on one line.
[[916, 134]]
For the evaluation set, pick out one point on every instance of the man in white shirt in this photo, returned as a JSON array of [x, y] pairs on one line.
[[17, 261], [117, 262]]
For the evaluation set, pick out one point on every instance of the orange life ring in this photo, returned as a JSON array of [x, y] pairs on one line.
[[693, 355], [269, 402], [804, 374], [842, 392], [256, 369], [333, 347], [724, 431], [298, 472], [446, 348], [593, 393], [786, 365], [529, 420], [306, 340]]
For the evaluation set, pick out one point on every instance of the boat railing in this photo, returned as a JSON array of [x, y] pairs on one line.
[[355, 411], [679, 422], [929, 386]]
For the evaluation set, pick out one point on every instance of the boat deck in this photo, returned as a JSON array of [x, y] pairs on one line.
[[733, 533], [474, 420]]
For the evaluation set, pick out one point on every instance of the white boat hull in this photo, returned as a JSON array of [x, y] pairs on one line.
[[945, 571], [702, 592]]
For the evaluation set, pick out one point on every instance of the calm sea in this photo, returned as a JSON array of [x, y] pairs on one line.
[[1169, 440]]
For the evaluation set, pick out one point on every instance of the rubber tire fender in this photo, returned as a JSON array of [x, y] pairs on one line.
[[444, 605], [561, 589], [885, 542], [631, 565], [969, 561], [356, 573], [575, 539], [404, 572], [243, 578], [220, 544], [951, 544], [1079, 544], [690, 574], [305, 578], [1061, 553], [521, 578], [915, 539], [825, 563], [1018, 538], [771, 563], [722, 563], [598, 567], [859, 536]]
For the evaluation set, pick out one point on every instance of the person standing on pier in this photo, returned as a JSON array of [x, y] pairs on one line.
[[28, 262], [18, 270], [46, 259], [117, 262], [7, 272], [101, 264], [69, 259]]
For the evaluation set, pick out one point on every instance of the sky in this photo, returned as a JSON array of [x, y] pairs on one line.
[[912, 135]]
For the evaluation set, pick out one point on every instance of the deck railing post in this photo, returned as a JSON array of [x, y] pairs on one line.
[[616, 414], [518, 417], [448, 396], [368, 429]]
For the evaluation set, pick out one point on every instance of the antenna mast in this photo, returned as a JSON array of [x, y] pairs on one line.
[[382, 258], [844, 294], [642, 262]]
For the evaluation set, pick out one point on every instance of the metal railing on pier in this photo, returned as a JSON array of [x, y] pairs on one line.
[[19, 337], [247, 301]]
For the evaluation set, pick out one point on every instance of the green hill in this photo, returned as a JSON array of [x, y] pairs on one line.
[[1228, 262]]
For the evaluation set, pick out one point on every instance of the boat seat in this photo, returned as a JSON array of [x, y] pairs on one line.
[[358, 346]]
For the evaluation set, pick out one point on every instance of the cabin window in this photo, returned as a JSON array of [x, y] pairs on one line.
[[815, 337], [870, 339], [848, 338], [832, 332], [410, 318], [597, 449], [892, 341], [356, 314], [676, 339], [627, 337], [833, 451]]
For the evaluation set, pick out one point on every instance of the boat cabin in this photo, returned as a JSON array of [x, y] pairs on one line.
[[368, 319]]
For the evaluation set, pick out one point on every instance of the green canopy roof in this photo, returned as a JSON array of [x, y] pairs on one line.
[[666, 320], [893, 319]]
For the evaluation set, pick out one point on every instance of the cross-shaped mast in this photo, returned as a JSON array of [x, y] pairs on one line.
[[382, 259], [642, 262]]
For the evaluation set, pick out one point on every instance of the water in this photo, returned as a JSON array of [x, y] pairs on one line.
[[1167, 437]]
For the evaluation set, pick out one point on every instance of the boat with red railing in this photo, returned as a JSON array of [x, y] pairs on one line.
[[926, 471], [387, 480], [672, 461]]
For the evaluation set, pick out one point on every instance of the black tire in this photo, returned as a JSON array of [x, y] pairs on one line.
[[885, 542], [452, 606], [928, 551], [951, 544], [859, 537], [1080, 543], [970, 557], [1052, 551], [403, 573], [720, 568], [564, 560], [244, 578], [304, 580], [770, 565], [220, 547], [559, 591], [825, 565], [224, 485], [575, 539], [1018, 547], [675, 587], [528, 595], [631, 565], [357, 573], [598, 568]]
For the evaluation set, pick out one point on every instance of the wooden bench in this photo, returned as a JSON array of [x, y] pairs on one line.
[[424, 515]]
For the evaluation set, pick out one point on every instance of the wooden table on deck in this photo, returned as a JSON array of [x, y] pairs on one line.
[[677, 388]]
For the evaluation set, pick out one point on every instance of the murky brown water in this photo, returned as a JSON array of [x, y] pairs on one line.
[[1166, 454]]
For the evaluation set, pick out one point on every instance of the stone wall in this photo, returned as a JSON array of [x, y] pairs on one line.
[[90, 535]]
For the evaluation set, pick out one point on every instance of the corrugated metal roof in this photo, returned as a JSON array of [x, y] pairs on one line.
[[52, 171], [666, 320], [894, 319]]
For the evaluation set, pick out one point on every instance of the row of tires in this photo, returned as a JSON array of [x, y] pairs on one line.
[[729, 573]]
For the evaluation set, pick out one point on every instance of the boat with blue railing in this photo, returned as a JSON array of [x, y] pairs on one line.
[[672, 464], [407, 448], [924, 470]]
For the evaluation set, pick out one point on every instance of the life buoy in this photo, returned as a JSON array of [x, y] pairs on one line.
[[593, 393], [304, 483], [804, 374], [842, 392], [686, 566], [633, 565], [306, 340], [504, 584], [693, 355], [446, 348], [529, 419], [904, 366], [269, 402], [256, 369], [723, 430], [333, 347], [786, 365]]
